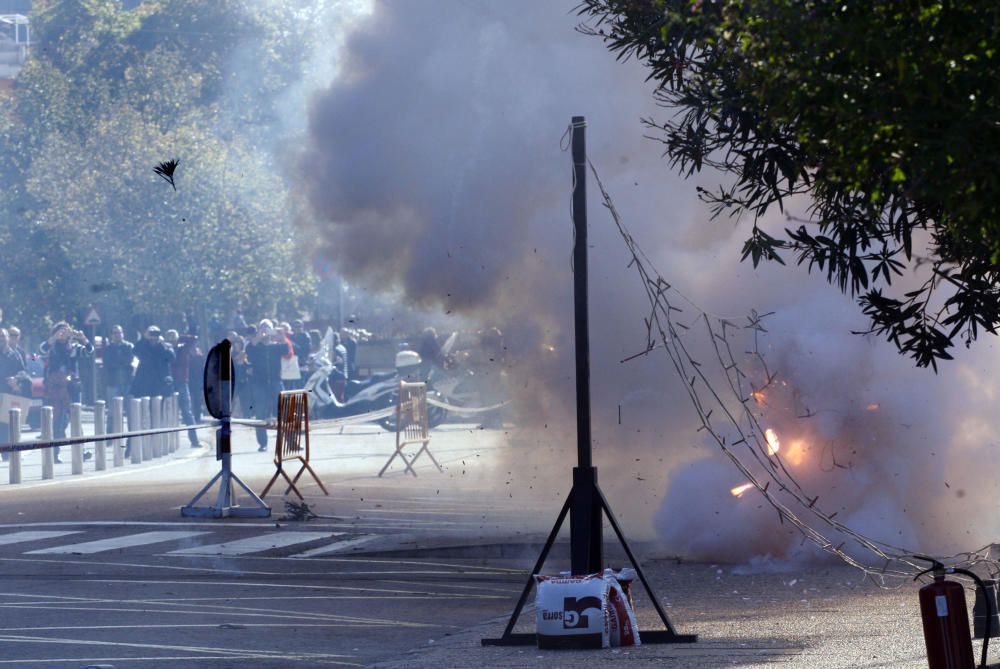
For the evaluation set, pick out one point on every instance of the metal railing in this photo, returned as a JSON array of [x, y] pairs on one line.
[[150, 430]]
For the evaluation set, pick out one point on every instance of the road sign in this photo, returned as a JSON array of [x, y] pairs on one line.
[[92, 318], [220, 379]]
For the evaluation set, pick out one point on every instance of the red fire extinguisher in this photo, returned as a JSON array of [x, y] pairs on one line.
[[946, 620]]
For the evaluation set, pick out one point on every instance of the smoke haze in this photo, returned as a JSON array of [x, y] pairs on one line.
[[433, 166]]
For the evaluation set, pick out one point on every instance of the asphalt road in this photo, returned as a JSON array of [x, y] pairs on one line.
[[101, 570]]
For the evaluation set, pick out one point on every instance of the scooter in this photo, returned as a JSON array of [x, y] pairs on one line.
[[377, 392]]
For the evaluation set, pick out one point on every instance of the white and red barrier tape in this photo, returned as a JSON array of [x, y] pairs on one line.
[[366, 417]]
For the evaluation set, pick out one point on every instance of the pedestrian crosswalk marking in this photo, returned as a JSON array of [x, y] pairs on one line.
[[256, 544], [33, 535], [337, 546], [127, 541]]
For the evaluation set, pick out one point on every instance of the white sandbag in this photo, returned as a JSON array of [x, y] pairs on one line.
[[622, 627], [572, 611]]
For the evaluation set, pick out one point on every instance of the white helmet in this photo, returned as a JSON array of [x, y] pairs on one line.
[[407, 359]]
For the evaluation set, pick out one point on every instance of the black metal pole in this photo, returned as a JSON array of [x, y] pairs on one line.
[[585, 502], [586, 521], [582, 319]]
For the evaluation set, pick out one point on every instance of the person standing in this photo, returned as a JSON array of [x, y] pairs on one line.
[[62, 352], [14, 341], [11, 371], [350, 344], [429, 349], [22, 384], [196, 381], [118, 357], [152, 376], [303, 347], [291, 376], [263, 355], [241, 370], [180, 370], [117, 365]]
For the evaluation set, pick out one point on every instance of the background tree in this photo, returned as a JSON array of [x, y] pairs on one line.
[[106, 95], [885, 114]]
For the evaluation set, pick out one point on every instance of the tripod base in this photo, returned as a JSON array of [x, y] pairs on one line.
[[225, 504], [667, 635]]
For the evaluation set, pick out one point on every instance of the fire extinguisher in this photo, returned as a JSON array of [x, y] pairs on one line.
[[946, 620]]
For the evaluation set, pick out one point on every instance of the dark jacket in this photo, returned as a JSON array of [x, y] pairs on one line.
[[118, 364], [11, 365], [61, 358], [62, 371], [152, 376], [303, 347], [181, 368], [265, 364]]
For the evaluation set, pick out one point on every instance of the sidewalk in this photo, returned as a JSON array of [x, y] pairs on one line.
[[822, 618]]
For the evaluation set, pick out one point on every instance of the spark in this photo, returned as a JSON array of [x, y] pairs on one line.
[[772, 441], [740, 489]]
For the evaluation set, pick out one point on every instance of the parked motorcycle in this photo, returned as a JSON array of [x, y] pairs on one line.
[[375, 393]]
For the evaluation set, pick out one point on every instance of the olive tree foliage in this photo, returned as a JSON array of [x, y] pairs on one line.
[[105, 96], [885, 115]]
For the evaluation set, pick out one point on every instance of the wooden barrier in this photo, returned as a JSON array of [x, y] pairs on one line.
[[293, 425], [411, 426]]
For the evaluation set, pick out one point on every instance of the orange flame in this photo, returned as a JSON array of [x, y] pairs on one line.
[[740, 489], [772, 441], [872, 407], [758, 396]]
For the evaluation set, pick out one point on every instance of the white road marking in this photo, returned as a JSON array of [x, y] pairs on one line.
[[190, 609], [204, 652], [337, 546], [32, 535], [127, 541], [256, 544], [408, 571]]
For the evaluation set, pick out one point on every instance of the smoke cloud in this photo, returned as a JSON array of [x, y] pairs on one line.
[[433, 166]]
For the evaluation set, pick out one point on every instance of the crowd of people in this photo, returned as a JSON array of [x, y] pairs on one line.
[[268, 357]]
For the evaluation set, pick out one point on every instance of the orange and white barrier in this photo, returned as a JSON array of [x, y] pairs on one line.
[[292, 442], [411, 426]]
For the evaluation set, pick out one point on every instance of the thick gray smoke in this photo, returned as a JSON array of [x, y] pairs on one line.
[[436, 163], [433, 166]]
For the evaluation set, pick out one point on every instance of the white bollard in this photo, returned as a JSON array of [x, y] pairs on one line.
[[147, 441], [155, 423], [47, 457], [175, 420], [117, 427], [168, 421], [134, 425], [15, 437], [100, 453], [168, 439], [175, 417], [76, 430]]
